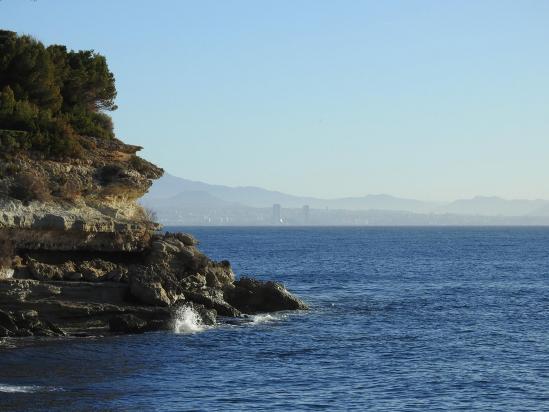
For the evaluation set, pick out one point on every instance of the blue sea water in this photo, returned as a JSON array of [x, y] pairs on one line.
[[401, 319]]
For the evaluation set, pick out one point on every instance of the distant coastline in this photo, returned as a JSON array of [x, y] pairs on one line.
[[178, 201]]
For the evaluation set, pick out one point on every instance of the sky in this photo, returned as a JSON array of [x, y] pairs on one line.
[[434, 100]]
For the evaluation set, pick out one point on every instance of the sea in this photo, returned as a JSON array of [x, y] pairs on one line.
[[400, 319]]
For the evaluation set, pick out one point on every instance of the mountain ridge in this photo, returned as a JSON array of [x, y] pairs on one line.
[[175, 191], [169, 186]]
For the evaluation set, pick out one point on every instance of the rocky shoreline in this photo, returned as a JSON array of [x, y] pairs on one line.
[[80, 257]]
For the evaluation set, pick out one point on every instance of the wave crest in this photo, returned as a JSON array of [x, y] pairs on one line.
[[25, 388]]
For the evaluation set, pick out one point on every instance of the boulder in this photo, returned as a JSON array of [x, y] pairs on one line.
[[208, 316], [25, 314], [28, 320], [7, 322], [4, 333], [185, 238], [6, 273], [219, 275], [118, 274], [96, 270], [149, 292], [69, 271], [194, 282], [54, 328], [210, 299], [44, 271], [253, 296], [161, 248]]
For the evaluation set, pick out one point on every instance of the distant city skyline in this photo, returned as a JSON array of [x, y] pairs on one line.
[[418, 99], [178, 201]]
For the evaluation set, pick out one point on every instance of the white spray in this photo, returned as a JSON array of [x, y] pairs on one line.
[[187, 321]]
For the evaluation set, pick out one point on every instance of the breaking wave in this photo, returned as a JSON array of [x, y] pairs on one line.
[[187, 320]]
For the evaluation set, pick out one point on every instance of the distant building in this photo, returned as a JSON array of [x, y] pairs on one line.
[[305, 211], [276, 214]]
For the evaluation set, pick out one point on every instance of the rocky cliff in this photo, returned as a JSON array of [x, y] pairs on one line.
[[79, 256]]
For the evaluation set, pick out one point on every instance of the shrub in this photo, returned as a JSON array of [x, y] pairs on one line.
[[70, 190], [13, 141], [139, 164], [92, 124], [29, 187]]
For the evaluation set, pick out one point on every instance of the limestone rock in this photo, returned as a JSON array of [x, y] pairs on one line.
[[96, 270], [253, 296], [44, 271], [211, 299], [91, 259], [26, 323], [149, 293], [6, 273], [7, 322], [207, 316], [186, 239], [219, 274]]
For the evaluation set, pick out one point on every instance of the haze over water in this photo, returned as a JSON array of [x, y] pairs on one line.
[[401, 319]]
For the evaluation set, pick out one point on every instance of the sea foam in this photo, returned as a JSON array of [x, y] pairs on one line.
[[263, 318], [25, 388]]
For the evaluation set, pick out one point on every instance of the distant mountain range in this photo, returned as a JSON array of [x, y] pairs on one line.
[[171, 189], [496, 206], [183, 201]]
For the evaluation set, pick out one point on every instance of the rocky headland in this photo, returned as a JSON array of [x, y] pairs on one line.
[[80, 257]]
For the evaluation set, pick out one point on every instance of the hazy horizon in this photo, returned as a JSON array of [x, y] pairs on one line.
[[421, 100], [479, 195]]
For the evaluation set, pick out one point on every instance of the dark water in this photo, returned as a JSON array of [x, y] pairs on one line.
[[401, 319]]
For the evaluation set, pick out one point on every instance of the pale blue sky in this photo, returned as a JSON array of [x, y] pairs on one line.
[[427, 99]]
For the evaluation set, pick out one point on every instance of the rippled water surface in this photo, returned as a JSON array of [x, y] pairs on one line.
[[401, 319]]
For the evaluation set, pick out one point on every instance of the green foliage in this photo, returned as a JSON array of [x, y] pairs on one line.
[[7, 101], [91, 124], [88, 83], [13, 141], [53, 96]]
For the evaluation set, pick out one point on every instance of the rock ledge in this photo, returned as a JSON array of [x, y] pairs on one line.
[[79, 256]]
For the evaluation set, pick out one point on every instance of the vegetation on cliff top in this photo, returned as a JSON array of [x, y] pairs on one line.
[[49, 96]]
